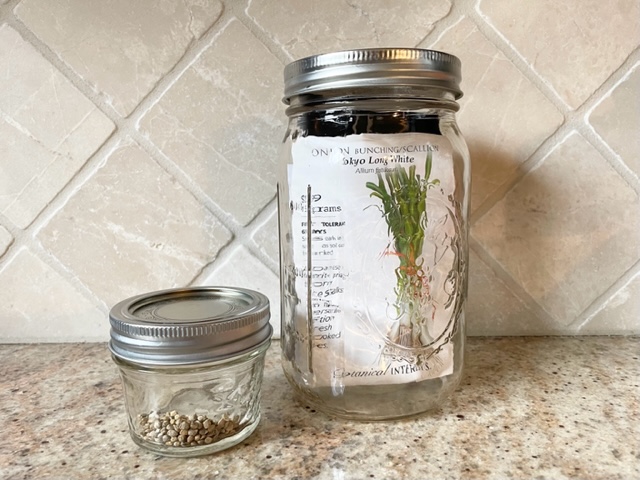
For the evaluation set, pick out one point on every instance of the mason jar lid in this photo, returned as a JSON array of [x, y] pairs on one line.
[[372, 67], [189, 326]]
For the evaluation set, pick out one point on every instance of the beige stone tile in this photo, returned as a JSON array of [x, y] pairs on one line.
[[309, 28], [504, 117], [45, 119], [121, 48], [265, 237], [222, 122], [620, 315], [5, 240], [567, 230], [38, 305], [132, 228], [241, 269], [494, 309], [574, 44], [617, 119]]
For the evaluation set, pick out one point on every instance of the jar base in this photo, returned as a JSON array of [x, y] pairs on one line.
[[379, 402]]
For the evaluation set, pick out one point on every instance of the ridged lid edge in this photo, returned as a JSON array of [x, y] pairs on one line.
[[370, 67], [152, 340]]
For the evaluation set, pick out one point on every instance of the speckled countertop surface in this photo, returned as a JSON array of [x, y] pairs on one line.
[[527, 408]]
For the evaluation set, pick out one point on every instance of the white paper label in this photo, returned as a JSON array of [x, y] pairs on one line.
[[383, 296]]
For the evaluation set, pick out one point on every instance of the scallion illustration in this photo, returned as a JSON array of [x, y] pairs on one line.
[[403, 194]]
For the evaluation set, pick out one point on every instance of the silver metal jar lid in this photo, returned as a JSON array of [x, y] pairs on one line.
[[373, 67], [189, 326]]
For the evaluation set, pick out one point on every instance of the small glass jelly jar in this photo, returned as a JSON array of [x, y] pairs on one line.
[[191, 362]]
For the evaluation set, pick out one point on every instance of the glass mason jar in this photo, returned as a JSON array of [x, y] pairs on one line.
[[373, 207], [191, 363]]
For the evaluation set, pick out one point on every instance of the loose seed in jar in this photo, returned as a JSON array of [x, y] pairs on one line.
[[177, 430]]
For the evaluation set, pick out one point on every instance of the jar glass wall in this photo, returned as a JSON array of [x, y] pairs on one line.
[[188, 411], [373, 211]]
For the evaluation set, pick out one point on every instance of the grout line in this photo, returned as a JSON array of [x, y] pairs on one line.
[[513, 285], [88, 169], [533, 162], [223, 256], [242, 240], [76, 80], [273, 265], [615, 161], [240, 233], [6, 10], [18, 240], [502, 43], [616, 77], [190, 57], [35, 247], [604, 299], [28, 238], [445, 23], [240, 10], [539, 153], [61, 269], [574, 120], [168, 165], [238, 230], [591, 134], [247, 238], [28, 235], [10, 227]]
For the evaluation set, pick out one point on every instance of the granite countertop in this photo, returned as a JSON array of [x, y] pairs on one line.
[[527, 408]]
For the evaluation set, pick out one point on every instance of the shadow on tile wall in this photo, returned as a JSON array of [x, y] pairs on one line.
[[497, 302]]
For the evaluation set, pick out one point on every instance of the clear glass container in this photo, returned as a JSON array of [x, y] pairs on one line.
[[373, 209], [191, 363]]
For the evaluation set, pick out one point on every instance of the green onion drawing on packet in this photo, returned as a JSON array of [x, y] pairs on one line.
[[404, 202]]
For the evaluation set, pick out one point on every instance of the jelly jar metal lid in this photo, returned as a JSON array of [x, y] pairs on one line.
[[189, 326], [372, 67]]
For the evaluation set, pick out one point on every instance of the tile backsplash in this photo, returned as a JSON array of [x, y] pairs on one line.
[[138, 145]]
